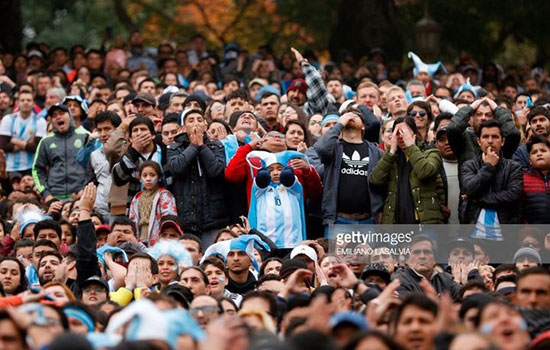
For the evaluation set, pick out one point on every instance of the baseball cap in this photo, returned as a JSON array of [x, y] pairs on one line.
[[57, 107], [169, 222], [376, 269], [145, 97], [291, 265], [304, 250], [103, 229], [95, 280], [351, 318], [258, 81]]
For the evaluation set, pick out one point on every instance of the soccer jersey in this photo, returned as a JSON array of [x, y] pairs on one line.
[[24, 129]]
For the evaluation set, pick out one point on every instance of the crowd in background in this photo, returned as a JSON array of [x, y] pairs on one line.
[[182, 198]]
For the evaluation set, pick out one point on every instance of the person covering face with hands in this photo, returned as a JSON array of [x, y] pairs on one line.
[[409, 171], [198, 164]]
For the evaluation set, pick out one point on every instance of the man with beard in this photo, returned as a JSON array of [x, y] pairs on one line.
[[348, 161], [309, 93], [539, 120], [47, 266]]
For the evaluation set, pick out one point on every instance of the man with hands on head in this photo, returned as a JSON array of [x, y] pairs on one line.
[[462, 130], [348, 160]]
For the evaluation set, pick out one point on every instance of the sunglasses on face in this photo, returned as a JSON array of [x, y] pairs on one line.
[[415, 113]]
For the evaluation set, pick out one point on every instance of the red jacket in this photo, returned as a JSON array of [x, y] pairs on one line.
[[239, 171]]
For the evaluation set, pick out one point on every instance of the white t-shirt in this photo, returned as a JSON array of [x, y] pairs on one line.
[[24, 129]]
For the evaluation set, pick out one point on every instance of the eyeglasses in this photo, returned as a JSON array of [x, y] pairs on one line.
[[207, 310], [415, 113]]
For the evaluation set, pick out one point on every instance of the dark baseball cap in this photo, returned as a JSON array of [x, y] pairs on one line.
[[95, 280], [145, 97], [57, 107]]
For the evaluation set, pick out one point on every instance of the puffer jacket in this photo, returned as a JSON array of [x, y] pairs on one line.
[[198, 183], [498, 188], [536, 197], [55, 169], [426, 166]]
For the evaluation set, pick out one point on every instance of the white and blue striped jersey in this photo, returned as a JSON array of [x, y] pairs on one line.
[[278, 212], [24, 129]]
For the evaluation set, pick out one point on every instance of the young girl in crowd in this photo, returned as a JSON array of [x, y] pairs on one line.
[[151, 203]]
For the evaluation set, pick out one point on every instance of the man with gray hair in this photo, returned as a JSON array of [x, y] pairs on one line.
[[54, 96], [176, 103], [416, 88]]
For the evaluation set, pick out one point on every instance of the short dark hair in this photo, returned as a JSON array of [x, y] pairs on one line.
[[44, 242], [490, 124], [171, 118], [123, 221], [536, 139], [268, 277], [47, 224], [536, 270], [139, 121], [472, 284], [538, 110], [198, 269], [273, 309], [418, 300], [146, 80], [521, 94], [22, 243], [56, 254], [267, 94], [214, 261], [192, 237], [504, 267], [229, 78], [154, 265], [108, 116], [239, 93]]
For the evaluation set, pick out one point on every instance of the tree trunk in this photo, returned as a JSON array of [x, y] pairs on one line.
[[366, 24], [11, 25]]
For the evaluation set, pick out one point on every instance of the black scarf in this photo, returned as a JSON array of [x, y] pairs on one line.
[[404, 211]]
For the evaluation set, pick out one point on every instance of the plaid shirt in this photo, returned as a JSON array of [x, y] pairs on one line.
[[317, 101], [126, 170]]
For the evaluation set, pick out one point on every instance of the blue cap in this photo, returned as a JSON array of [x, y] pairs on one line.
[[354, 318], [332, 117]]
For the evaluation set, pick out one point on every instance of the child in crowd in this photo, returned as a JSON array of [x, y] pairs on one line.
[[151, 203], [536, 182], [277, 199]]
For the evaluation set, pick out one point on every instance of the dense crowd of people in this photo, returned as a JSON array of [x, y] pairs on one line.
[[179, 199]]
